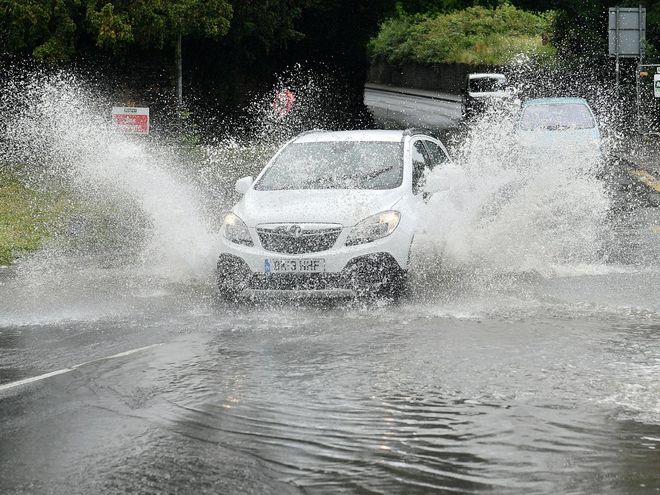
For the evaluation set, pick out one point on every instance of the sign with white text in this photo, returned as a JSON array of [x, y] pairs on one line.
[[131, 120]]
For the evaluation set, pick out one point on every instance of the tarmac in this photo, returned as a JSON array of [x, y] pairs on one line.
[[639, 153], [425, 93]]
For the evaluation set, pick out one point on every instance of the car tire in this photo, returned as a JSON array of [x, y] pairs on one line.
[[231, 277], [395, 287], [376, 276]]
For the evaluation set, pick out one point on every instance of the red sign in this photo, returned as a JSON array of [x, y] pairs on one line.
[[133, 120], [283, 102]]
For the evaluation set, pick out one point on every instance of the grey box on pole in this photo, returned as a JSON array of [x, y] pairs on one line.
[[627, 31]]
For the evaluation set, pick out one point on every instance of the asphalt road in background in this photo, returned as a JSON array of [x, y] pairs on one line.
[[635, 164], [402, 107]]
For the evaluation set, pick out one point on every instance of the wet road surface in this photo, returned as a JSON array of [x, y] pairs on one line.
[[394, 108], [527, 385]]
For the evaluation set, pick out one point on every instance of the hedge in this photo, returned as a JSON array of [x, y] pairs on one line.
[[476, 35]]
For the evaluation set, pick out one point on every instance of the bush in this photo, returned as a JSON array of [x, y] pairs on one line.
[[476, 35]]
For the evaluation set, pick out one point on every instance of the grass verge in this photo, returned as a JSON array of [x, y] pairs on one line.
[[25, 217]]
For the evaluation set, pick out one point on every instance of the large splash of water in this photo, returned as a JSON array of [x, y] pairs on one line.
[[503, 211], [64, 132], [509, 210], [151, 202]]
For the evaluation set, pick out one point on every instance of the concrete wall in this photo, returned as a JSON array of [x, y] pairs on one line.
[[448, 78]]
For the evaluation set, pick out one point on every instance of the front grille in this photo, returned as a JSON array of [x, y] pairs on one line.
[[296, 281], [298, 238]]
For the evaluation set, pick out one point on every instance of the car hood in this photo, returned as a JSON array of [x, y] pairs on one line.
[[346, 207], [570, 139]]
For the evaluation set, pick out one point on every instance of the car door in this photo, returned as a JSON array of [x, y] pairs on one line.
[[436, 152], [425, 153], [422, 164]]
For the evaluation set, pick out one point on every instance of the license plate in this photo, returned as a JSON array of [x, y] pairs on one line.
[[294, 266]]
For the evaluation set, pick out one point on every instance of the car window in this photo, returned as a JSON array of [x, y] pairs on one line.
[[556, 116], [421, 162], [335, 165], [436, 153], [486, 85]]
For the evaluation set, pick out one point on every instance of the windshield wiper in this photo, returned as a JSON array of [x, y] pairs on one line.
[[371, 175], [316, 181], [337, 182]]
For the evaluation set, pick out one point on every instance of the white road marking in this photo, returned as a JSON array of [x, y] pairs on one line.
[[7, 386], [646, 178], [33, 379]]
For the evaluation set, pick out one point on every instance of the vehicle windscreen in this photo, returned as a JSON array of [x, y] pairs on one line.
[[558, 116], [486, 85], [335, 165]]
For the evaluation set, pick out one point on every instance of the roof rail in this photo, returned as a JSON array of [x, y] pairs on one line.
[[419, 130], [311, 131]]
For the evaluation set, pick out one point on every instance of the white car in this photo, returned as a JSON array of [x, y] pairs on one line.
[[562, 128], [484, 88], [332, 213]]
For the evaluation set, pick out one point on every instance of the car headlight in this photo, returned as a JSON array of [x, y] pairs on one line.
[[374, 227], [236, 230]]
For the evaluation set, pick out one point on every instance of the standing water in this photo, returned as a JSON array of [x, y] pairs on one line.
[[525, 360]]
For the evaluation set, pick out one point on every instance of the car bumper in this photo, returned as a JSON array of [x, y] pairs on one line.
[[349, 270], [367, 274], [397, 245]]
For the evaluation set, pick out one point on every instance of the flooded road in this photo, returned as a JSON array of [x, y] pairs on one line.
[[530, 385]]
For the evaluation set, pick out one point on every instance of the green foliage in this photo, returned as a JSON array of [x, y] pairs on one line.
[[51, 29], [113, 29], [436, 6], [155, 23], [476, 35], [24, 217], [261, 25], [46, 29]]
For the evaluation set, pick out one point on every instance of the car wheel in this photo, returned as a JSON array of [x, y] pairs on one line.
[[377, 276], [232, 276], [395, 286]]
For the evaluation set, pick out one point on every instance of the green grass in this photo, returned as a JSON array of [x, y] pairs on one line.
[[476, 35], [25, 216]]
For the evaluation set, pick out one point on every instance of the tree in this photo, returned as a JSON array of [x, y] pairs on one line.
[[157, 23], [44, 29], [336, 35], [50, 30], [253, 50]]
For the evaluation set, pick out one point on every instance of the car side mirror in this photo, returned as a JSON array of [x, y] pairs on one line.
[[434, 184], [449, 175], [243, 185]]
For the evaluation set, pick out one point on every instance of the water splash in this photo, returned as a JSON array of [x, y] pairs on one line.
[[509, 211], [62, 130], [148, 201]]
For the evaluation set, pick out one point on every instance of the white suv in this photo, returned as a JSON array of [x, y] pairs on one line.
[[332, 213]]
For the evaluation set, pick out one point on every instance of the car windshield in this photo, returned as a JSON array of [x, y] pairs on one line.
[[486, 85], [335, 165], [557, 116]]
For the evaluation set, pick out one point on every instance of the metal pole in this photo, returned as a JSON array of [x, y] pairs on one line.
[[616, 48], [638, 102], [638, 99], [178, 62]]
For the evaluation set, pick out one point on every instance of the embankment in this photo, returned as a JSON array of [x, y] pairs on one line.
[[447, 78]]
